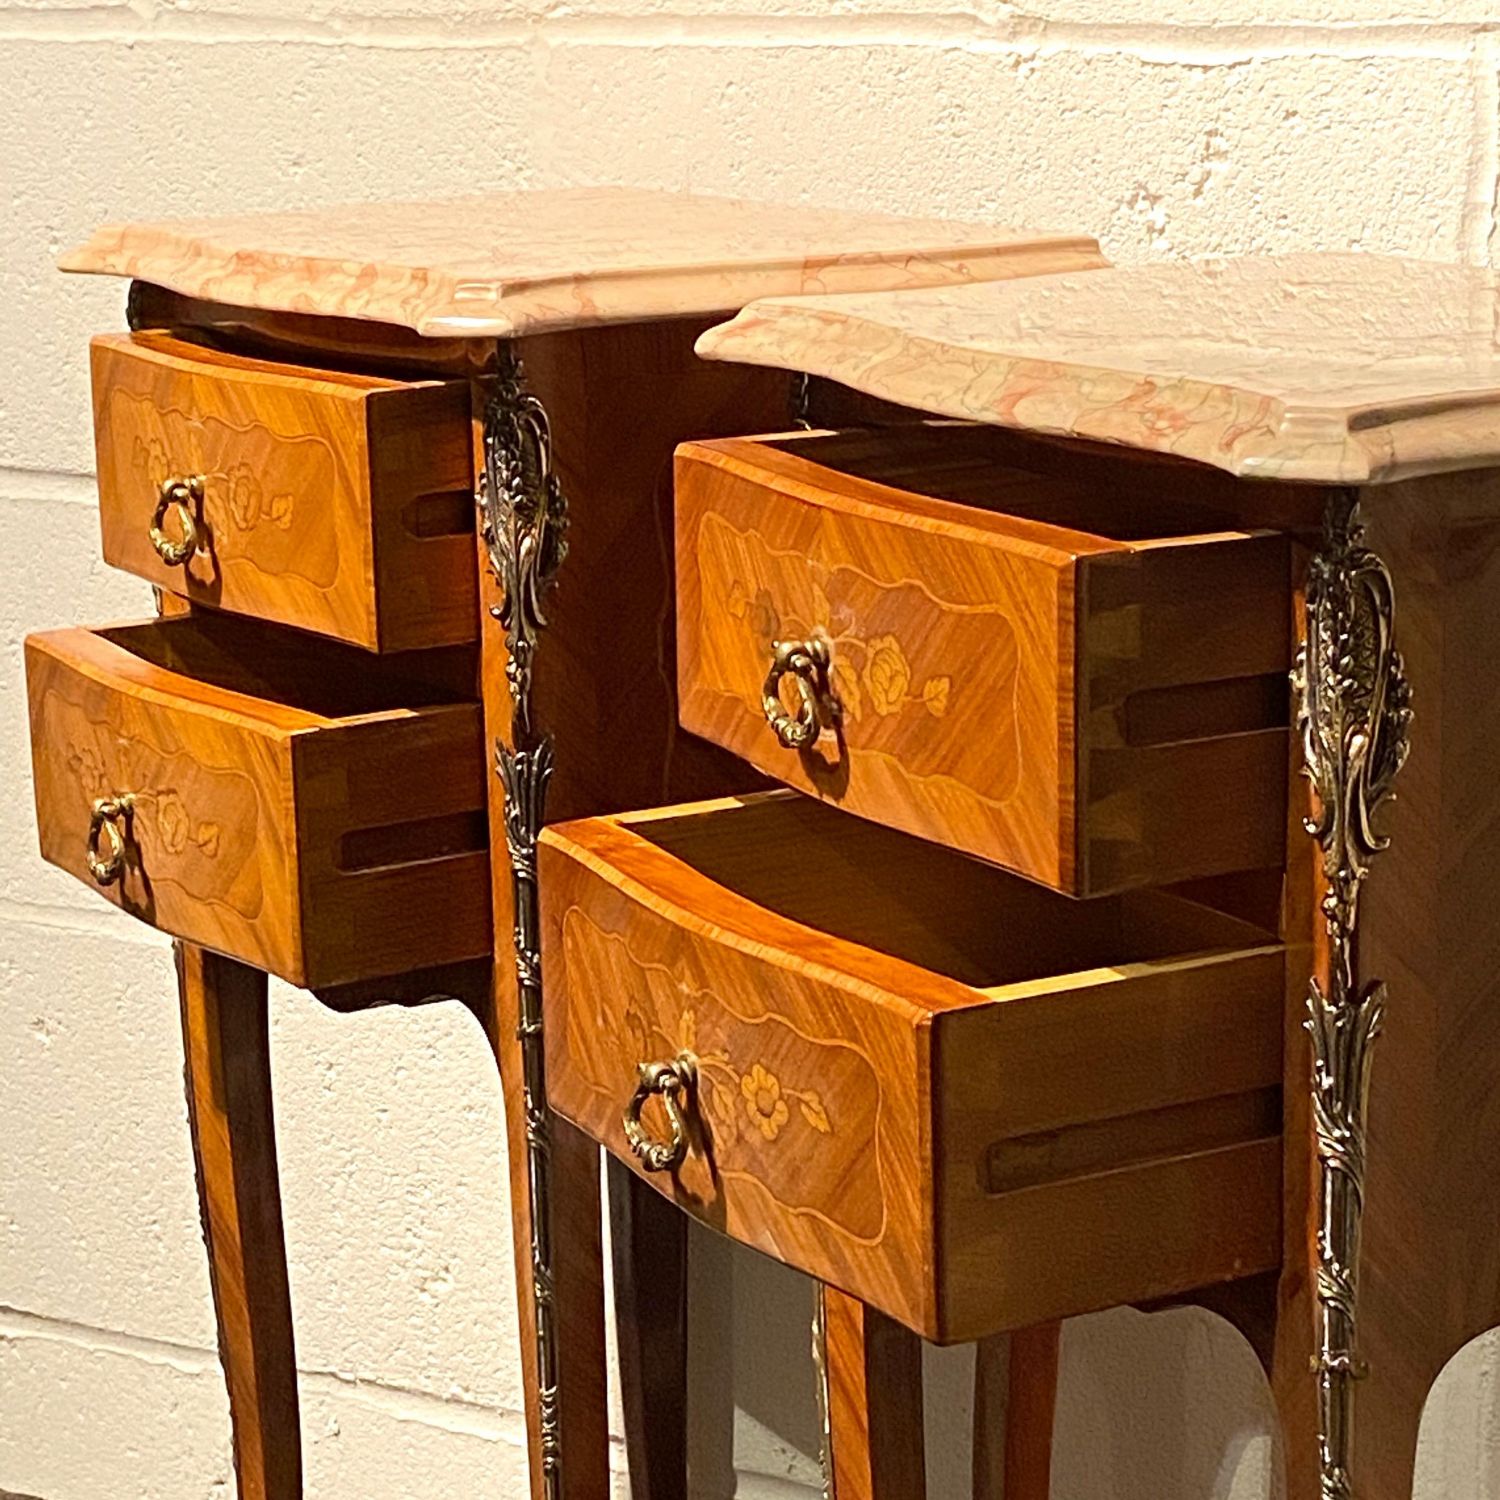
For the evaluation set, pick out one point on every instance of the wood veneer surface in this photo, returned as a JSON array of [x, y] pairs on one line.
[[335, 502], [964, 1099], [286, 811], [1080, 685]]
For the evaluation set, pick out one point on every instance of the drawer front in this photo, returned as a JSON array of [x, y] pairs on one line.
[[321, 850], [808, 1101], [967, 1159], [337, 503], [1002, 687]]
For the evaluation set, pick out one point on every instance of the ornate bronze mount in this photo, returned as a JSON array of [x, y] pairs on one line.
[[1354, 716], [825, 1392], [523, 519]]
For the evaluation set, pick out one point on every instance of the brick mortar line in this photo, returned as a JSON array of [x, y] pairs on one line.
[[401, 1403], [1187, 43], [501, 1423], [47, 486]]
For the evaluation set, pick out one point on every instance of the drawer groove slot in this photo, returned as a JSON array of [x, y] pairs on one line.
[[1095, 1146], [413, 842], [1206, 710]]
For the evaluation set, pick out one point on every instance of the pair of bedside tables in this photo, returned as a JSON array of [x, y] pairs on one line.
[[997, 1017]]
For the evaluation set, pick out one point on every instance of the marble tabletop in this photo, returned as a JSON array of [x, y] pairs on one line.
[[1326, 368], [507, 264]]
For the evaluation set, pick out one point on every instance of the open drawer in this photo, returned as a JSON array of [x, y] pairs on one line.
[[306, 808], [958, 1096], [338, 503], [1084, 685]]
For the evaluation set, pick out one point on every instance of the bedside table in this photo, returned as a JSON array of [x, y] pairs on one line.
[[1056, 635], [288, 771]]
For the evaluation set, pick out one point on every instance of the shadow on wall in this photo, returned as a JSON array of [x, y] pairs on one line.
[[1458, 1451], [1166, 1406], [753, 1412], [753, 1394], [1171, 1406]]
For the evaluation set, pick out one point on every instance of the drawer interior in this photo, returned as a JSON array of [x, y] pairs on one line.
[[974, 466], [293, 669], [928, 905]]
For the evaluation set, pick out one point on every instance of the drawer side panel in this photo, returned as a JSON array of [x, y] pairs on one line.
[[1111, 1143], [393, 844], [1184, 703], [422, 509]]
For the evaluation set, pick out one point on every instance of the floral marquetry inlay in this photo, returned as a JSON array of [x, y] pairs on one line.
[[896, 648], [873, 674], [163, 809], [198, 828], [727, 1089], [259, 483], [247, 502], [765, 1085]]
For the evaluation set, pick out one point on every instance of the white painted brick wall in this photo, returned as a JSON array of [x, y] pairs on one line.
[[1169, 127]]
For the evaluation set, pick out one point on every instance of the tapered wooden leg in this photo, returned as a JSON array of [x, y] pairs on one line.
[[648, 1238], [1031, 1405], [876, 1446], [581, 1412], [228, 1074], [991, 1432]]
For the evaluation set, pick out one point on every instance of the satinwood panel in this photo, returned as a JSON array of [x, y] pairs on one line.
[[336, 502], [964, 1099], [1090, 693], [286, 808]]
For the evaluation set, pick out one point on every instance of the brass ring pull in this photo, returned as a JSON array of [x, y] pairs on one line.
[[672, 1080], [807, 661], [108, 820], [181, 498]]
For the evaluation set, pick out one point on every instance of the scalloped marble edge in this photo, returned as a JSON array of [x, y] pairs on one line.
[[1247, 433], [441, 304]]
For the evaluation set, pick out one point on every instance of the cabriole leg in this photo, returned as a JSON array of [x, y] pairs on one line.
[[228, 1074]]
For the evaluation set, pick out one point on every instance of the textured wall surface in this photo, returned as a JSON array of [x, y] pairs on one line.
[[1174, 127]]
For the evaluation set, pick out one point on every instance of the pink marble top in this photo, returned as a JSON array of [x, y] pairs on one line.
[[515, 263], [1336, 368]]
